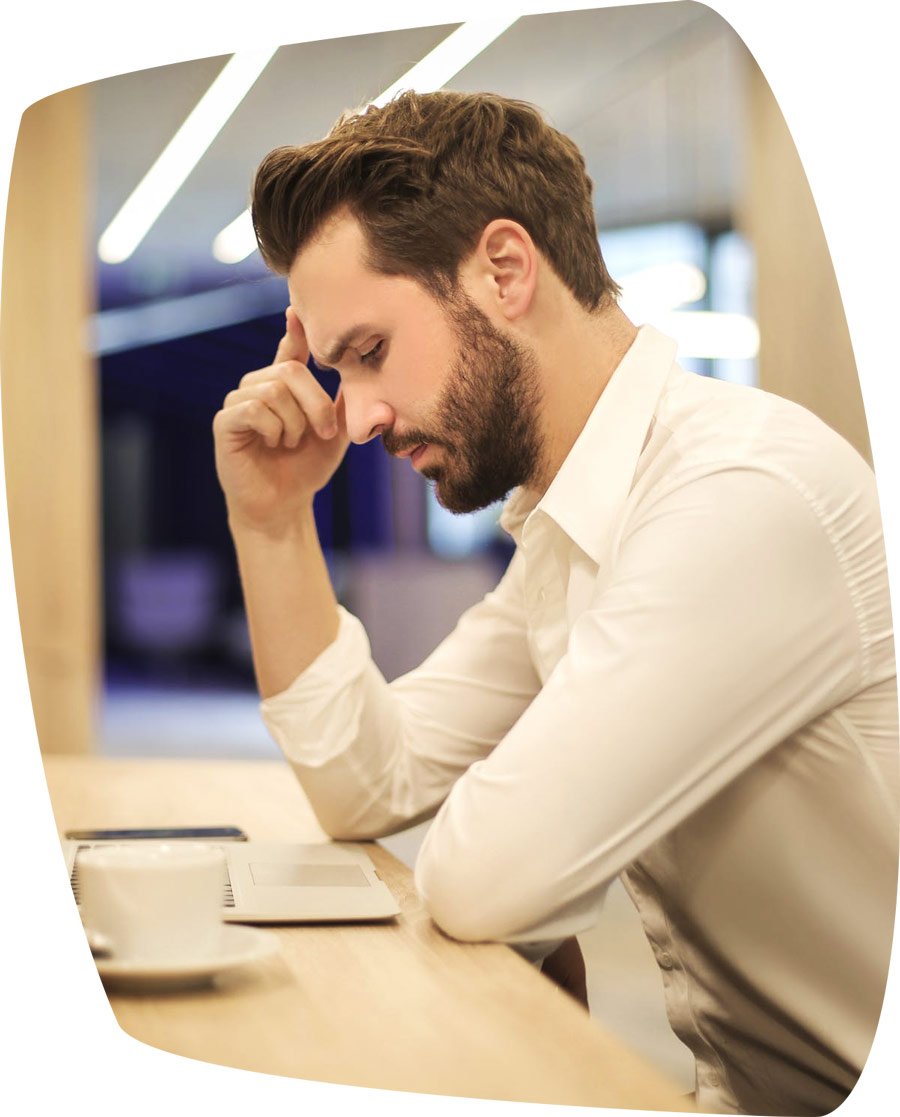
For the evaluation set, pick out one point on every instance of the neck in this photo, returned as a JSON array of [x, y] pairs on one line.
[[577, 353]]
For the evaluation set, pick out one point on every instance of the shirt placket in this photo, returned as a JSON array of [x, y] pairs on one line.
[[711, 1086]]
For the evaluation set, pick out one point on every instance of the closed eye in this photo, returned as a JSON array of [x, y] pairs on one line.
[[373, 355]]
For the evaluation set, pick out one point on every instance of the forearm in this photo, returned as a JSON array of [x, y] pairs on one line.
[[290, 602], [374, 756]]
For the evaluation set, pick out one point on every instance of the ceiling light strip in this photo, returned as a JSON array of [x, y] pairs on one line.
[[237, 240], [183, 152], [449, 57]]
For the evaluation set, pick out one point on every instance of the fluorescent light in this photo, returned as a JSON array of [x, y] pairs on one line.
[[183, 152], [237, 240], [711, 335], [449, 57], [661, 288]]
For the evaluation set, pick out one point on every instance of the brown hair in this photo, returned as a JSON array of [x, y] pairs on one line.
[[423, 175]]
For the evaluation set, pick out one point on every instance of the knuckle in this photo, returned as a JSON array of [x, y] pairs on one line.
[[290, 370], [299, 370], [272, 390]]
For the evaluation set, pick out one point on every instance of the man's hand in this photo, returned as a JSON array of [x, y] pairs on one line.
[[279, 438], [565, 966]]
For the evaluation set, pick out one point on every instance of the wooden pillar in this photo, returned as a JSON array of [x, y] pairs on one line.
[[805, 351], [49, 393]]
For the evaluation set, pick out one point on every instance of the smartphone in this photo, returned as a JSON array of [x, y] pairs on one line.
[[172, 833]]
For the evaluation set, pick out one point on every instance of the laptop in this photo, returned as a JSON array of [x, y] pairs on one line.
[[274, 882]]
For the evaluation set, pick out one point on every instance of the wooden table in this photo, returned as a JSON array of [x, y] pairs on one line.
[[397, 1006]]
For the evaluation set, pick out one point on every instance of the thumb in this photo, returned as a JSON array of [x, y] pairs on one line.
[[292, 346]]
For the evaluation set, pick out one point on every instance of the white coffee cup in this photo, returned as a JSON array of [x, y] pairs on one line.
[[153, 902]]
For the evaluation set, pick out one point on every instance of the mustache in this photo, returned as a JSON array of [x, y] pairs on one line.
[[400, 443]]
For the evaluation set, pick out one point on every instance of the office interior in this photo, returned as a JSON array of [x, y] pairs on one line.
[[133, 629]]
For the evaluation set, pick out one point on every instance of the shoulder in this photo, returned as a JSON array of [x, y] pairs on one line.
[[705, 426], [747, 480]]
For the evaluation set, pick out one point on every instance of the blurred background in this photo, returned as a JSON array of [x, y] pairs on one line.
[[120, 340]]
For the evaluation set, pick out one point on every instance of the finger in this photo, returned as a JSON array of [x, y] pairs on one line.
[[293, 346], [279, 398], [311, 397], [272, 372], [250, 416]]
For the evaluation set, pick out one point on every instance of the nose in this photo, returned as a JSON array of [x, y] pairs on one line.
[[367, 415]]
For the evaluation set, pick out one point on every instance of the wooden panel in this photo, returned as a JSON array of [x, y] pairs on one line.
[[49, 396], [805, 351]]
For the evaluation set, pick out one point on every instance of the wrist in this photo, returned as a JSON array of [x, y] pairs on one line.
[[298, 525]]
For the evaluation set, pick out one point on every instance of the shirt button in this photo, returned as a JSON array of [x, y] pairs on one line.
[[666, 961]]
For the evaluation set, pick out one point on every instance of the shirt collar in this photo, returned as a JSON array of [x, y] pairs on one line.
[[595, 478]]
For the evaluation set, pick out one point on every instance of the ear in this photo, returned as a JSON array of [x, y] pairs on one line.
[[505, 264]]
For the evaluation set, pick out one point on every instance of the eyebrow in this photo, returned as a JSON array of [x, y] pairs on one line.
[[334, 354]]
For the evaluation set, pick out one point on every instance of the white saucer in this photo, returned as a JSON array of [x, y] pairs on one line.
[[237, 946]]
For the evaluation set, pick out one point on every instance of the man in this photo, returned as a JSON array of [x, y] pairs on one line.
[[686, 676]]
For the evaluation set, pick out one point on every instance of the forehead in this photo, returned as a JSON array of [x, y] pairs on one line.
[[333, 290], [335, 254]]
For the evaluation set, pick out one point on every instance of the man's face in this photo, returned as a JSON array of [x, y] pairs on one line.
[[485, 419], [437, 380]]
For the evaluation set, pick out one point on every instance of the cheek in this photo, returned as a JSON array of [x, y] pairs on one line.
[[415, 386]]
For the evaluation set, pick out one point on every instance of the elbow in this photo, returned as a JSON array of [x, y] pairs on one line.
[[341, 827], [343, 821], [457, 911], [346, 822], [484, 888], [466, 900], [346, 815]]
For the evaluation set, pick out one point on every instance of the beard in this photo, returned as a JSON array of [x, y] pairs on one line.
[[486, 417]]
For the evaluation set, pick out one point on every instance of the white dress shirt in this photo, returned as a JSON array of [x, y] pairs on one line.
[[686, 677]]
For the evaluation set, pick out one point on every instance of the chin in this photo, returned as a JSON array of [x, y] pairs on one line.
[[448, 497], [460, 503], [462, 498]]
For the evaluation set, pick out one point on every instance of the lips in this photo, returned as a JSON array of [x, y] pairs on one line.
[[414, 453]]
